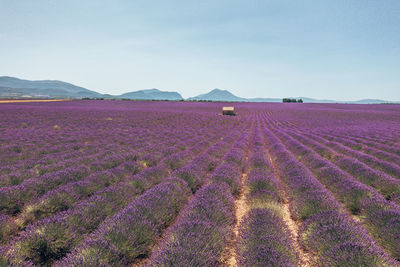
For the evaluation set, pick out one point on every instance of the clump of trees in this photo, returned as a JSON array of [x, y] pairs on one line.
[[292, 100], [92, 98]]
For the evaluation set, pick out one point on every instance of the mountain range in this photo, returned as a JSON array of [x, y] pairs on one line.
[[14, 87], [153, 94], [225, 95], [11, 87]]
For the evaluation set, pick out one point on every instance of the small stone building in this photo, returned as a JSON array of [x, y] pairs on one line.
[[228, 111]]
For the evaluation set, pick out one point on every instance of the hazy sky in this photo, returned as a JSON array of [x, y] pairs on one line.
[[333, 49]]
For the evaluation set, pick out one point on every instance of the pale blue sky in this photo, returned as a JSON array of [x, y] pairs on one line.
[[332, 49]]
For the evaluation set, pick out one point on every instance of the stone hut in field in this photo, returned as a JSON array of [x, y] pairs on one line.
[[228, 111]]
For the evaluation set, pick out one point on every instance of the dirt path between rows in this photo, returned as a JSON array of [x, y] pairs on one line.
[[146, 260], [241, 209], [306, 258]]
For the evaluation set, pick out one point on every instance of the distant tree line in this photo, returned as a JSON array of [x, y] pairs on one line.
[[285, 100], [292, 100], [130, 99], [162, 100], [92, 98]]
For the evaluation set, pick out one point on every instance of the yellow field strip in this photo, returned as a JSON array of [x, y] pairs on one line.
[[31, 100]]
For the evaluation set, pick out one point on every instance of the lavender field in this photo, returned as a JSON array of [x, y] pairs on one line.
[[128, 183]]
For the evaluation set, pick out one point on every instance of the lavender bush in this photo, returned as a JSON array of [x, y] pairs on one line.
[[264, 241], [198, 237]]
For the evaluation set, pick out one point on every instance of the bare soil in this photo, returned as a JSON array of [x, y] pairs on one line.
[[306, 258], [241, 209]]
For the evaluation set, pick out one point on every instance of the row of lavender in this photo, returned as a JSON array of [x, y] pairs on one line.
[[107, 172], [378, 215], [129, 143], [37, 144], [64, 197], [264, 238], [91, 147], [203, 228], [104, 199], [390, 154], [326, 231], [369, 194], [96, 207], [92, 162], [133, 231], [150, 176], [82, 218], [382, 182], [361, 128], [390, 164]]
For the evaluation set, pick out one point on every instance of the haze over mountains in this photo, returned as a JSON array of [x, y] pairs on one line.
[[11, 87]]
